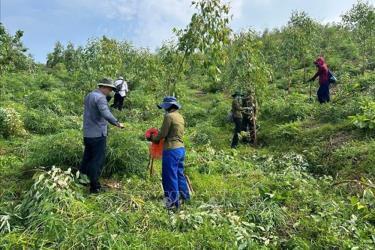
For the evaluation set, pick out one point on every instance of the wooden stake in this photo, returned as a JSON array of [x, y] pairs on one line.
[[151, 165], [191, 190]]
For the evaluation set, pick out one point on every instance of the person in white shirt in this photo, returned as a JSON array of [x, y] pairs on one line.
[[120, 93]]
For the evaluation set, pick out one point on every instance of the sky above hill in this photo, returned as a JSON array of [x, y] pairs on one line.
[[146, 23]]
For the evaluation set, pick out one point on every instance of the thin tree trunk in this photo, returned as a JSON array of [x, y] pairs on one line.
[[363, 64], [304, 70], [289, 80], [254, 120], [363, 57], [178, 72]]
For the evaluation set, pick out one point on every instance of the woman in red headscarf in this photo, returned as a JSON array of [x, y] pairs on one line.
[[323, 74]]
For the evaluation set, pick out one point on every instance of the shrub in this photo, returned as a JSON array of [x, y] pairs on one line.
[[45, 81], [335, 112], [287, 131], [16, 85], [199, 138], [293, 107], [354, 158], [204, 134], [367, 81], [59, 102], [54, 186], [194, 114], [366, 119], [126, 154], [47, 122], [137, 100], [219, 112], [11, 123], [140, 106], [62, 149]]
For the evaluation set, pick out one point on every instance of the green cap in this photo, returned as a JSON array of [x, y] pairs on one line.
[[237, 93], [106, 82]]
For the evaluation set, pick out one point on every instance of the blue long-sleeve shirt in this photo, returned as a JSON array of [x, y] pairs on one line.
[[97, 115]]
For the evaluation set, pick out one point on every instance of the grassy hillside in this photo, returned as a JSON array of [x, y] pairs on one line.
[[284, 193], [308, 184]]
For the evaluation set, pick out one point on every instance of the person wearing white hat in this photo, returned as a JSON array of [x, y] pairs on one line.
[[120, 93]]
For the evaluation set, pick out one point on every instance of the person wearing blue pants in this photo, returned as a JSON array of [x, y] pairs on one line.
[[324, 81], [172, 131]]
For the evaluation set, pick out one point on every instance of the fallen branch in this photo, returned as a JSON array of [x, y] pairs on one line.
[[354, 181]]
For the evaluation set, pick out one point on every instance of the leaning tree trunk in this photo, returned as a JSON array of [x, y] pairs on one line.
[[180, 68]]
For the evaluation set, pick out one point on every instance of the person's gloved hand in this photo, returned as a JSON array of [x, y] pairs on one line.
[[151, 132], [149, 138]]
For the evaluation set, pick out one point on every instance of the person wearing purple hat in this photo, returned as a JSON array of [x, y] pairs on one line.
[[172, 131]]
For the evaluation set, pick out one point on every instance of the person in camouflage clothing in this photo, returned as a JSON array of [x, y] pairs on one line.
[[249, 118], [237, 118]]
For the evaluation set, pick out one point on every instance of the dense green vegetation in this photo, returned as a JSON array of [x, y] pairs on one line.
[[307, 185]]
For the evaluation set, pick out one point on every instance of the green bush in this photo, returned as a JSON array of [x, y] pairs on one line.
[[335, 112], [63, 149], [294, 107], [353, 158], [194, 115], [15, 86], [367, 81], [47, 122], [140, 106], [11, 123], [49, 203], [138, 99], [204, 134], [45, 81], [366, 119], [288, 131], [126, 153], [219, 112], [59, 102]]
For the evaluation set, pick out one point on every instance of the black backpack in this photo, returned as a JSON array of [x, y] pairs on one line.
[[119, 87], [331, 77]]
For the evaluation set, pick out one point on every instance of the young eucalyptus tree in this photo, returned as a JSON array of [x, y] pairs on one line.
[[298, 43], [172, 65], [12, 52], [56, 56], [247, 70], [361, 21], [208, 34], [304, 33], [288, 45]]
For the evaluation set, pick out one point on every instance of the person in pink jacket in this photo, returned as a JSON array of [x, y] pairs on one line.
[[323, 74]]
